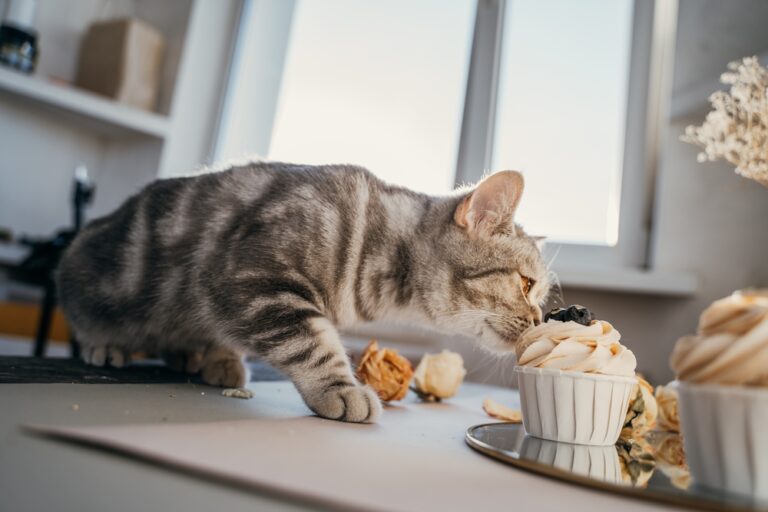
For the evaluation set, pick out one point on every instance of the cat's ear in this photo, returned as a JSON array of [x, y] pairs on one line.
[[492, 204], [539, 241]]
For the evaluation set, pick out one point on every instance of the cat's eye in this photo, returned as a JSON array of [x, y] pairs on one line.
[[526, 283]]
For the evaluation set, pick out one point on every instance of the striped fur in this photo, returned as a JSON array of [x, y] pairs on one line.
[[269, 259]]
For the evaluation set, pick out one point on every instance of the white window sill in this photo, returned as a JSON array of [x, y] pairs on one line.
[[671, 284]]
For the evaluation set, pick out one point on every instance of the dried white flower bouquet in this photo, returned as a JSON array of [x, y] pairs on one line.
[[737, 127]]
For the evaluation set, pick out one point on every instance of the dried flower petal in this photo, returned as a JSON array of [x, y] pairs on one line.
[[736, 129], [439, 376], [386, 371], [636, 460], [642, 412], [670, 457], [669, 419], [502, 412]]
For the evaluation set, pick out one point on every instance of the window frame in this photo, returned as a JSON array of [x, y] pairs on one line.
[[650, 36], [254, 78]]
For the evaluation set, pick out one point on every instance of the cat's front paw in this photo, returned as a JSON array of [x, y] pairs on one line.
[[226, 373], [352, 403]]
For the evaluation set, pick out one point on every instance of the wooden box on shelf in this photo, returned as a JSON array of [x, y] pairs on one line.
[[122, 59]]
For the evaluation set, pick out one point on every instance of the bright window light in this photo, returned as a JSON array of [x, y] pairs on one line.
[[379, 84], [562, 113]]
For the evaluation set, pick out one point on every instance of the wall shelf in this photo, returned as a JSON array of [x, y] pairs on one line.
[[89, 109]]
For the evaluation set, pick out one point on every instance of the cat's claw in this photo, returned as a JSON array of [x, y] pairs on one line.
[[117, 358], [354, 404], [102, 356]]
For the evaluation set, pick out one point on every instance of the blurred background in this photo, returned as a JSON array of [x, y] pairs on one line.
[[588, 99]]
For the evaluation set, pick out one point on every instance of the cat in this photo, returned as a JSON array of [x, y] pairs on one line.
[[269, 259]]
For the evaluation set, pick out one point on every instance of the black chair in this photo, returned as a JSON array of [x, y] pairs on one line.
[[39, 267]]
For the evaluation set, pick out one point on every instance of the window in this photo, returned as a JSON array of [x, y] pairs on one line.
[[380, 84], [433, 93], [562, 103]]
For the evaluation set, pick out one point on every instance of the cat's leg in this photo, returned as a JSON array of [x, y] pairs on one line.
[[225, 367], [97, 352], [217, 365], [182, 361], [306, 347]]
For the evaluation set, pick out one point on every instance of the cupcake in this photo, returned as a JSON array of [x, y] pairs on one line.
[[723, 395], [575, 378]]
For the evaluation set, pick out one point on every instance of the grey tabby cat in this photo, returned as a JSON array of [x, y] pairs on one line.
[[269, 259]]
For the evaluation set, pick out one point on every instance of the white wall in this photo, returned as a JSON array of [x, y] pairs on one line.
[[37, 160]]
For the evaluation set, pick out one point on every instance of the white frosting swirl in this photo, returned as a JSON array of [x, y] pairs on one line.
[[731, 346], [574, 347]]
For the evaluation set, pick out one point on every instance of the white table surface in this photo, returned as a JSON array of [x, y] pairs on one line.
[[39, 474]]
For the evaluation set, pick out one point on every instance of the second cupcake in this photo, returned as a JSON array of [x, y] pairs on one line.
[[723, 385]]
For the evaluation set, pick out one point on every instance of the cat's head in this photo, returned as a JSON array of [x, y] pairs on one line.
[[492, 281]]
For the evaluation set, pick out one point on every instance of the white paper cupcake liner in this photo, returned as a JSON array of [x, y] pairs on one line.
[[573, 407], [725, 434], [597, 462]]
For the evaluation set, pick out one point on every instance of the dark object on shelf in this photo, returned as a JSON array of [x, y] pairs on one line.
[[39, 266], [575, 313], [18, 48], [18, 40]]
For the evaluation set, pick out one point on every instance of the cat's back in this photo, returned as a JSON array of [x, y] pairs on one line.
[[177, 210], [184, 221]]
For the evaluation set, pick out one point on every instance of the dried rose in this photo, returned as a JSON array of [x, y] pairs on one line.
[[669, 419], [439, 376], [670, 457], [636, 461], [643, 410], [502, 412], [678, 476], [386, 371]]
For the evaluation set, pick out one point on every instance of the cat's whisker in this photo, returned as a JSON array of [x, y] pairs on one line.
[[551, 261], [557, 286], [499, 368], [507, 366], [488, 363]]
